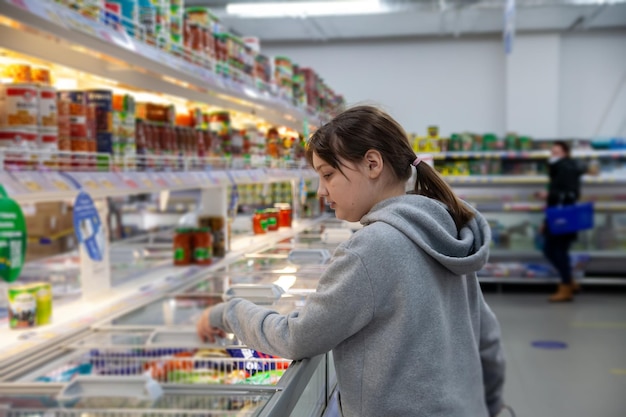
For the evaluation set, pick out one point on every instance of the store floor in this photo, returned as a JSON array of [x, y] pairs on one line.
[[580, 368]]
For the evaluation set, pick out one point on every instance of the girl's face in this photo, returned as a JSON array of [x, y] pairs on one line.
[[352, 193]]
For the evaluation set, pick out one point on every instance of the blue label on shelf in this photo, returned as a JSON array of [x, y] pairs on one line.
[[88, 226]]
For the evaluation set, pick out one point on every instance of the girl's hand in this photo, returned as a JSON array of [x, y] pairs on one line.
[[206, 332]]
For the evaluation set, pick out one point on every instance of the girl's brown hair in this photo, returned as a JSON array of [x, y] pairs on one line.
[[357, 130]]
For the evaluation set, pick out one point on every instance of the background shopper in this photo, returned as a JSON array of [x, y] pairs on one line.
[[399, 305], [563, 189]]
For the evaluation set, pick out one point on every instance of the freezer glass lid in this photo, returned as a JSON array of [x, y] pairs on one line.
[[169, 311], [195, 403]]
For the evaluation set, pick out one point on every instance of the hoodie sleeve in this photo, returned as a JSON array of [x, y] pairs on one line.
[[341, 306], [492, 359]]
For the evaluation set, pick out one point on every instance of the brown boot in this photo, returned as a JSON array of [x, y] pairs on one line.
[[564, 293], [576, 287]]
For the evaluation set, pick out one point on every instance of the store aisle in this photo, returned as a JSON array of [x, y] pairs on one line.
[[577, 367]]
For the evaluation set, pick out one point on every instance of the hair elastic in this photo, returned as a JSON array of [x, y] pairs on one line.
[[416, 162]]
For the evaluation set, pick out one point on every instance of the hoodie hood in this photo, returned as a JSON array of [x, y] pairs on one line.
[[429, 225]]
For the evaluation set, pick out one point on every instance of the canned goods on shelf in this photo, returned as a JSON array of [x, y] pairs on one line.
[[78, 120], [102, 101], [18, 138], [41, 76], [48, 111], [73, 96], [48, 138], [19, 106], [17, 73]]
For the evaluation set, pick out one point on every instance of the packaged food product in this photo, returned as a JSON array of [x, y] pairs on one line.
[[78, 121], [218, 226], [20, 138], [182, 247], [284, 214], [176, 23], [48, 111], [146, 13], [18, 105], [272, 219], [162, 24], [41, 76], [73, 96], [79, 144], [48, 138], [203, 246], [258, 222], [103, 102], [30, 305], [18, 73], [104, 142]]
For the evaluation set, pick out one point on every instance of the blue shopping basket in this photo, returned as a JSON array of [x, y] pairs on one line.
[[569, 219]]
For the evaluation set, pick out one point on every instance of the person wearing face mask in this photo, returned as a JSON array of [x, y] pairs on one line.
[[399, 305], [563, 189]]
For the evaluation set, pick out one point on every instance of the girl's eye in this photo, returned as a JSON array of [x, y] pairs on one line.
[[327, 175]]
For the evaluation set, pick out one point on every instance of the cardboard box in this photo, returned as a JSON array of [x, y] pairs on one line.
[[49, 220], [43, 247]]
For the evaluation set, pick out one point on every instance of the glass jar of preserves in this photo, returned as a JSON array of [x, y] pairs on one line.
[[258, 222], [284, 214], [203, 246], [182, 247], [272, 219]]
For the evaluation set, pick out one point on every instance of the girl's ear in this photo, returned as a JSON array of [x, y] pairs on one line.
[[374, 163]]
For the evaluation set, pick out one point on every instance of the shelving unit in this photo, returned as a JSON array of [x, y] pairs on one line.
[[54, 33]]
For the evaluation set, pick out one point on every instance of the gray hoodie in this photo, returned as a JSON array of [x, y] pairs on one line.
[[402, 311]]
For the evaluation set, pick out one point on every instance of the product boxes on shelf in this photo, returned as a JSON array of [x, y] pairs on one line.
[[49, 219]]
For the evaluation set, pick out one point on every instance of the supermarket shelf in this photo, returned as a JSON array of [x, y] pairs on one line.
[[616, 153], [526, 179], [57, 34], [539, 207], [37, 187], [550, 280], [535, 254], [78, 316]]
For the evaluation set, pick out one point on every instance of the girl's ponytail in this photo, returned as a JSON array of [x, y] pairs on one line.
[[430, 184]]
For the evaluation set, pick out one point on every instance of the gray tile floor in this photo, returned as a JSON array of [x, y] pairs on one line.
[[586, 379]]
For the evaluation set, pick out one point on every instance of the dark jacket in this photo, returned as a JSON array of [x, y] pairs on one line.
[[564, 186]]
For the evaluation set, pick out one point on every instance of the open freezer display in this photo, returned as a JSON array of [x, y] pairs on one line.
[[172, 310], [167, 356], [187, 403]]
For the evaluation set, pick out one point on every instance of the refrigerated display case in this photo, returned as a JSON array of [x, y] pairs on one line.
[[516, 216], [156, 337]]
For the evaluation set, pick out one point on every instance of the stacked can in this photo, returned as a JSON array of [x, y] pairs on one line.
[[19, 109], [220, 127], [147, 19], [81, 126], [162, 26], [283, 76], [262, 72], [102, 103], [201, 26], [299, 87], [124, 12], [123, 126], [177, 17]]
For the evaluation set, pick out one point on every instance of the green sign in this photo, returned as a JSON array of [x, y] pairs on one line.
[[12, 238]]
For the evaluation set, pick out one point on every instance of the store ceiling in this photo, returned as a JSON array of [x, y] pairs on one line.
[[409, 18]]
